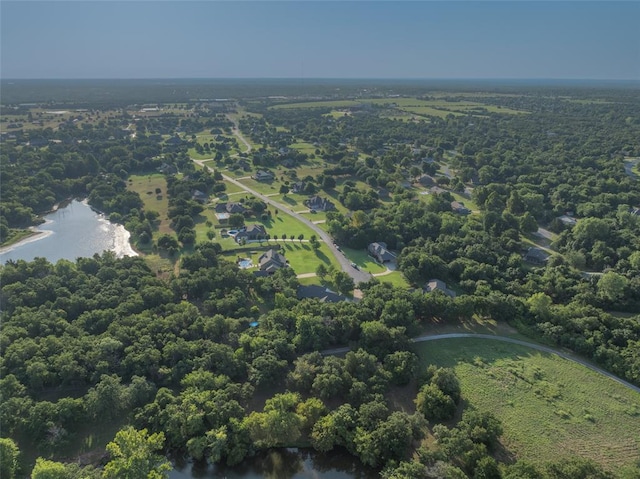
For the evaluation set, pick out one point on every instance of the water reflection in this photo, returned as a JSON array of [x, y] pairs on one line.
[[71, 232], [281, 464]]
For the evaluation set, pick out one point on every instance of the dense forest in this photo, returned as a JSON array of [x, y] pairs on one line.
[[215, 363]]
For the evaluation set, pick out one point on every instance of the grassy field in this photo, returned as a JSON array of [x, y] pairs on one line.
[[145, 186], [396, 278], [549, 407]]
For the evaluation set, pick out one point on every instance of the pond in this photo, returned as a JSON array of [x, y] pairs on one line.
[[71, 232], [283, 463]]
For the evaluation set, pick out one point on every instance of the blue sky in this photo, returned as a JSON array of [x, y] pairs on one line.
[[331, 39]]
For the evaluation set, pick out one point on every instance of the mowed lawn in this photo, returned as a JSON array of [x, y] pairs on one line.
[[549, 407]]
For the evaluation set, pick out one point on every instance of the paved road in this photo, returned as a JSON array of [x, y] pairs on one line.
[[357, 275], [505, 339]]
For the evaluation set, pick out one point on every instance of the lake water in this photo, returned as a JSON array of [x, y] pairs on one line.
[[282, 464], [71, 232]]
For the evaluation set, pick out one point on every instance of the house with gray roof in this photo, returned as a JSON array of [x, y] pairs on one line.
[[438, 285], [251, 232], [380, 252], [318, 203], [536, 256], [324, 295], [271, 261]]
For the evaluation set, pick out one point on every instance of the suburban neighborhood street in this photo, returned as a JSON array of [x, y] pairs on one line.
[[357, 275]]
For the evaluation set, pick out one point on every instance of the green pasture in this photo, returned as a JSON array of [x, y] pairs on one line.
[[266, 188], [549, 407], [304, 147], [145, 186]]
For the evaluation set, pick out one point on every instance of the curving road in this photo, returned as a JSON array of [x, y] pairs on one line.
[[357, 275], [539, 347]]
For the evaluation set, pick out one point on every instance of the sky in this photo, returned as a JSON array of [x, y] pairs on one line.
[[331, 39]]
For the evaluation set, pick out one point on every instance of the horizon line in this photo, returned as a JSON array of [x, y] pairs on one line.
[[327, 78]]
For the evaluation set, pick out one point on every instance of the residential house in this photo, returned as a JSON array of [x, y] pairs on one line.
[[298, 187], [380, 252], [568, 220], [288, 163], [324, 295], [174, 141], [438, 285], [635, 211], [536, 256], [262, 175], [167, 169], [318, 203], [426, 180], [251, 232], [199, 196], [272, 261], [460, 208]]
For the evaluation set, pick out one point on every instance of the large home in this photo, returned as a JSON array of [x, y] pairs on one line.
[[272, 261], [230, 208], [324, 295], [318, 203], [380, 252], [438, 285], [262, 175], [174, 140], [536, 256], [460, 208], [251, 232]]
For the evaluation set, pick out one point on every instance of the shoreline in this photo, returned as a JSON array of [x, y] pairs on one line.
[[34, 235], [122, 245]]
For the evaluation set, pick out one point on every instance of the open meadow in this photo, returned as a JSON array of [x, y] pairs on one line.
[[549, 407]]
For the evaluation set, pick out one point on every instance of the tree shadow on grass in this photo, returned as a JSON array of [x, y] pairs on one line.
[[289, 200], [322, 257]]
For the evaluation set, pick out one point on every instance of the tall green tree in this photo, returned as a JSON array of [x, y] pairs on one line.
[[134, 455]]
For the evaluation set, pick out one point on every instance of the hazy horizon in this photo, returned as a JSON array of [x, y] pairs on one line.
[[520, 40]]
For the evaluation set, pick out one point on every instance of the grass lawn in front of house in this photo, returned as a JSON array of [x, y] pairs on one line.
[[396, 278], [363, 260]]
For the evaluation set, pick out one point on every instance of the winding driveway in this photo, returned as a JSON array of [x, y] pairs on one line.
[[505, 339]]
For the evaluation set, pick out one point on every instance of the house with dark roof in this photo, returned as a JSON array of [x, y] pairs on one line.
[[380, 252], [426, 180], [438, 285], [298, 187], [262, 175], [199, 196], [318, 203], [174, 141], [251, 232], [536, 256], [324, 295], [271, 261], [460, 208]]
